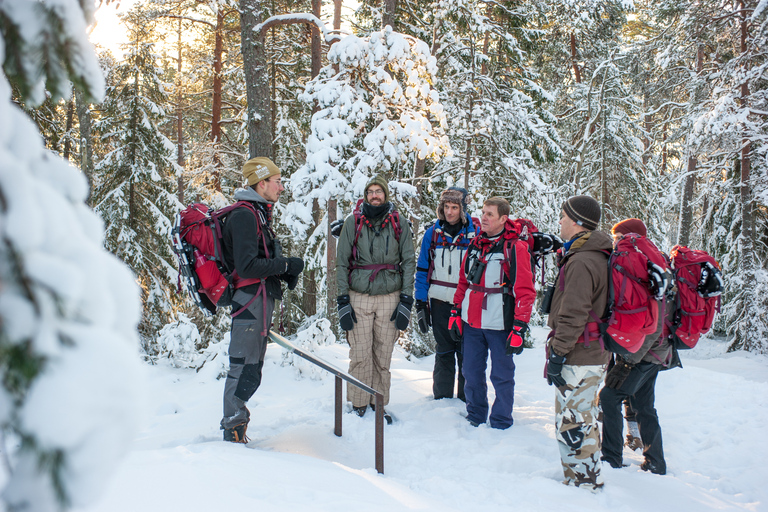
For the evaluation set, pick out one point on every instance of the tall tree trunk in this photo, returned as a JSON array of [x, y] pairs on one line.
[[574, 60], [309, 300], [86, 140], [180, 122], [686, 211], [68, 132], [252, 13], [330, 280], [747, 216], [388, 14], [218, 52]]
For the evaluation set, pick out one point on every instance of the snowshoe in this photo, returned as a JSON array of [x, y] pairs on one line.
[[236, 434]]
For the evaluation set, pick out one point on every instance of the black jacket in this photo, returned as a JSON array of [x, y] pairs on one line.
[[244, 247]]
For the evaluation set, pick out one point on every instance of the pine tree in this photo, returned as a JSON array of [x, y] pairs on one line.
[[135, 194]]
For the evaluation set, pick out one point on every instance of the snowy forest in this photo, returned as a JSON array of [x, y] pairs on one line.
[[657, 109]]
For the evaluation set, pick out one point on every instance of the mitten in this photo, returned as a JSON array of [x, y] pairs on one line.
[[347, 318], [516, 337], [336, 227], [618, 373], [422, 316], [554, 369], [402, 313], [455, 325]]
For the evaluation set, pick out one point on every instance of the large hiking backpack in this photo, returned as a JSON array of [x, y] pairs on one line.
[[197, 242], [539, 244], [638, 279], [699, 286]]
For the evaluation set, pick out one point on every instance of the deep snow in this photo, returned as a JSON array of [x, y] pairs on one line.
[[713, 415]]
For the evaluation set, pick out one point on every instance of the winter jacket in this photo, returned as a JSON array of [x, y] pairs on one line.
[[501, 296], [375, 246], [582, 287], [445, 254], [244, 250]]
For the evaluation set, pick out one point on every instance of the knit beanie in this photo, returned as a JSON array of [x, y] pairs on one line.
[[455, 195], [583, 210], [629, 226], [258, 169], [381, 181]]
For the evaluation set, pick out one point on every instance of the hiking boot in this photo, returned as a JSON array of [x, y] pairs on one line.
[[473, 423], [360, 411], [653, 468], [387, 416], [236, 434], [634, 443]]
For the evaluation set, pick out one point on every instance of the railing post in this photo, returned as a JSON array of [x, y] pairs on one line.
[[337, 407], [379, 433]]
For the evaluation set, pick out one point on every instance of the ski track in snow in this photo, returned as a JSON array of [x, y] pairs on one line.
[[712, 414]]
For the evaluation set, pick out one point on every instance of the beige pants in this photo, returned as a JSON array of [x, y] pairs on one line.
[[371, 343]]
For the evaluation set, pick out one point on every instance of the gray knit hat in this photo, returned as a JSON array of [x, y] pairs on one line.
[[455, 195], [583, 210]]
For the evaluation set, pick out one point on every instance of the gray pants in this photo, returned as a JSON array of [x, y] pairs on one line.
[[247, 347]]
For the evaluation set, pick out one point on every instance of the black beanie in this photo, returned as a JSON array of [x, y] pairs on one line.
[[583, 210]]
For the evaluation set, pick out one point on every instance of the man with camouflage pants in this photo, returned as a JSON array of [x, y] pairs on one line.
[[576, 366]]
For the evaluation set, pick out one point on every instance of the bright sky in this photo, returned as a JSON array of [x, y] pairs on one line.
[[110, 33]]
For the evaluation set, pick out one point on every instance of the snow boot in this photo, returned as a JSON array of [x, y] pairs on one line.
[[653, 468], [360, 411], [236, 434], [634, 442], [387, 416]]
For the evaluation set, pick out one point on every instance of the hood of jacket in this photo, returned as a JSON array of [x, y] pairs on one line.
[[248, 194]]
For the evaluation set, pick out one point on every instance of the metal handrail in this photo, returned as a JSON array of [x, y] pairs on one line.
[[340, 374]]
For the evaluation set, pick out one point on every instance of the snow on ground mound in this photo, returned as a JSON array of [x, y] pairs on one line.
[[712, 414]]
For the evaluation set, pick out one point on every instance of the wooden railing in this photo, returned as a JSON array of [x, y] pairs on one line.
[[339, 374]]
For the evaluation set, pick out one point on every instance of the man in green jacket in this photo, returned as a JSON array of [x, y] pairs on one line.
[[375, 263]]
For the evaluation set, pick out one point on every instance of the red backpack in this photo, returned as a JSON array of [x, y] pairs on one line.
[[699, 286], [197, 242], [637, 281]]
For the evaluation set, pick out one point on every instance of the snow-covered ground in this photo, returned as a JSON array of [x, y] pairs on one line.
[[713, 415]]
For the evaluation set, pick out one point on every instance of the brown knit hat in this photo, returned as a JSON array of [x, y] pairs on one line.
[[583, 210], [455, 195], [381, 181], [629, 226], [258, 169]]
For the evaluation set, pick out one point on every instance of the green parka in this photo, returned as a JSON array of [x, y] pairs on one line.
[[376, 249]]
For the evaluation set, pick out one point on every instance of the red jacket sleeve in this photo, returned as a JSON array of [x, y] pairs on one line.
[[524, 290], [461, 288]]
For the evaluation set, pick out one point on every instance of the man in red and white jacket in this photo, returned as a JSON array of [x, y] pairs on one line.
[[492, 307]]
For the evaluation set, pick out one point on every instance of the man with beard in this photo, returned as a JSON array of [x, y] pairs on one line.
[[375, 263]]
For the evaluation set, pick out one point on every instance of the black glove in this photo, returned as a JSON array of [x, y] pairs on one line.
[[516, 337], [402, 313], [618, 373], [295, 266], [455, 325], [422, 316], [347, 318], [554, 368], [336, 227]]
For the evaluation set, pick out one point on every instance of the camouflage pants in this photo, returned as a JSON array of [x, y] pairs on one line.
[[577, 433]]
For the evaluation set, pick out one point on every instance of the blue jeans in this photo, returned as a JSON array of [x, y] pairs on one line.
[[477, 343]]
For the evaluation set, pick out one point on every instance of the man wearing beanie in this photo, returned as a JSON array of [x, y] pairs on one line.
[[576, 366], [632, 379], [437, 274], [251, 249], [375, 263]]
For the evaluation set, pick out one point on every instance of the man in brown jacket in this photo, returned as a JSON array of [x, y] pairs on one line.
[[576, 365]]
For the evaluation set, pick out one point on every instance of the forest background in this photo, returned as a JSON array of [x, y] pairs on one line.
[[658, 109]]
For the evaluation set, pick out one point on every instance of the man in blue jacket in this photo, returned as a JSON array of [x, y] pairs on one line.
[[437, 273]]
